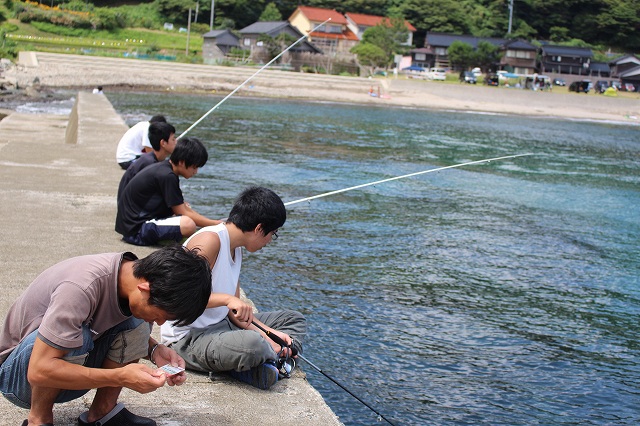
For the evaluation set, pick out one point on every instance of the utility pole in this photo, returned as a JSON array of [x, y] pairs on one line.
[[188, 33], [510, 15], [211, 23]]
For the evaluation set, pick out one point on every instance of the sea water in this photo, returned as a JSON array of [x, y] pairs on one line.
[[504, 293]]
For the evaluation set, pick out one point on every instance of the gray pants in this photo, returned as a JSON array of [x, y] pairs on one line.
[[225, 347]]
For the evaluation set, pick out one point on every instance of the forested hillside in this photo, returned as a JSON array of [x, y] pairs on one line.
[[604, 24]]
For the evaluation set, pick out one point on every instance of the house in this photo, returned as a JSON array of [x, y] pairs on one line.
[[334, 37], [252, 38], [217, 44], [519, 56], [627, 69], [358, 23], [565, 60]]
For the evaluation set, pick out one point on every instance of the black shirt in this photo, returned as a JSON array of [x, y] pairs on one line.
[[149, 195], [140, 163]]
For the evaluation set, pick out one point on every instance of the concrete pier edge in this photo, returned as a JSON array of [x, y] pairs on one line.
[[58, 200]]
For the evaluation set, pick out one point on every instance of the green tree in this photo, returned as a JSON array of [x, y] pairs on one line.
[[388, 36], [487, 55], [461, 55], [270, 13], [370, 57], [446, 16]]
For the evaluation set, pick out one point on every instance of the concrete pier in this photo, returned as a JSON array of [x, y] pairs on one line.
[[57, 200]]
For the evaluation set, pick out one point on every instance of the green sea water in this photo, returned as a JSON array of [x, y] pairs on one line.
[[503, 294]]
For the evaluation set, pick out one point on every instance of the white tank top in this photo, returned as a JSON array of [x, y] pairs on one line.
[[224, 279]]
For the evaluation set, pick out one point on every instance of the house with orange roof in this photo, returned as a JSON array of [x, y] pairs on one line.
[[333, 37], [358, 23]]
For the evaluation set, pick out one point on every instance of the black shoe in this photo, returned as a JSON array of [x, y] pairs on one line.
[[119, 416]]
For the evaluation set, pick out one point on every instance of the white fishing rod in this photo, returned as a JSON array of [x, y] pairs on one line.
[[249, 79], [326, 194]]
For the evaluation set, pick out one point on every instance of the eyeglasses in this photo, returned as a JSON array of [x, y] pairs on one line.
[[274, 236]]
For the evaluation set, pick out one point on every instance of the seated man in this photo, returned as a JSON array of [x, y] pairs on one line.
[[151, 207], [162, 137], [84, 323], [224, 338], [135, 142]]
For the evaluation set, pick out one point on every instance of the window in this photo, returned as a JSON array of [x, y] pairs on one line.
[[259, 43], [247, 42], [421, 57], [441, 51]]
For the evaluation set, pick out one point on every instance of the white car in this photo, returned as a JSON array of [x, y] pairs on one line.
[[437, 74]]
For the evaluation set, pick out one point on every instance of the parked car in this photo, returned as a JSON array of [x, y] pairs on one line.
[[628, 87], [437, 74], [559, 82], [415, 72], [580, 86], [476, 71], [468, 77], [617, 85], [492, 80]]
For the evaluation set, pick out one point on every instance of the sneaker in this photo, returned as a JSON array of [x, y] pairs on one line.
[[262, 377]]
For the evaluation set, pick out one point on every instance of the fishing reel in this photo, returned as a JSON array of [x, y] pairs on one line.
[[285, 363]]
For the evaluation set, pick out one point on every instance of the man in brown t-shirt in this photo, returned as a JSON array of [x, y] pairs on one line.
[[84, 323]]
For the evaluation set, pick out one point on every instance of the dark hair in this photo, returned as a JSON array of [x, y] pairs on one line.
[[179, 282], [191, 151], [159, 131], [158, 119], [258, 205]]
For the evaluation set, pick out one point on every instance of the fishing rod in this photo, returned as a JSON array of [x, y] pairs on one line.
[[294, 352], [326, 194], [248, 79]]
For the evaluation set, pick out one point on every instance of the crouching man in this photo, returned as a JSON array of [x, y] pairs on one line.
[[84, 323]]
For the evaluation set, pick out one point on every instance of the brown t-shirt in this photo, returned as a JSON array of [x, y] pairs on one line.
[[77, 291]]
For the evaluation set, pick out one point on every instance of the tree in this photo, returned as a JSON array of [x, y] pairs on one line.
[[487, 55], [270, 14], [388, 37], [370, 57], [461, 55]]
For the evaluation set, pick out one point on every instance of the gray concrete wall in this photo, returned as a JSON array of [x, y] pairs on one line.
[[57, 200]]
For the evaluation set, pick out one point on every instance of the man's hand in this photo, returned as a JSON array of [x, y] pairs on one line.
[[141, 378], [163, 356], [241, 311]]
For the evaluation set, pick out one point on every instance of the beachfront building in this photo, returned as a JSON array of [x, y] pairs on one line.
[[334, 37], [565, 60], [627, 69], [256, 37], [217, 44], [358, 23], [519, 57]]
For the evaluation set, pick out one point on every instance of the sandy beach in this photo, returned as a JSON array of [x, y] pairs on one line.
[[52, 71]]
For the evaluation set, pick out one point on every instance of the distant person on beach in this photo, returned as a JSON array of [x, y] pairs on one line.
[[162, 137], [224, 338], [98, 91], [85, 322], [135, 142], [151, 207]]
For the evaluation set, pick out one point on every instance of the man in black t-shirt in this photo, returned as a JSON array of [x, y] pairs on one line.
[[162, 137], [151, 207]]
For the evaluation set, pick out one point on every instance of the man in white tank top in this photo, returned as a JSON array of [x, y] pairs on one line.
[[224, 338]]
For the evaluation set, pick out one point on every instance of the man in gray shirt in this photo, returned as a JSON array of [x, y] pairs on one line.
[[85, 322]]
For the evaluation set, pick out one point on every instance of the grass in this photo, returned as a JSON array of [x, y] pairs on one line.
[[51, 38]]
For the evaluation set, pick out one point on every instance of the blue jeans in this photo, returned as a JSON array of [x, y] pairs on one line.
[[13, 371]]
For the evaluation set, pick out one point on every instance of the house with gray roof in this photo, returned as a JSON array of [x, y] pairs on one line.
[[627, 69], [518, 56], [565, 60], [217, 44]]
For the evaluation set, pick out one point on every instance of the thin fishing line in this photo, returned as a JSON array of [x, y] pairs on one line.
[[248, 79], [282, 343], [326, 194]]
